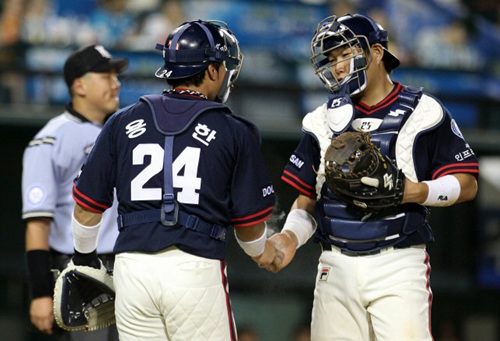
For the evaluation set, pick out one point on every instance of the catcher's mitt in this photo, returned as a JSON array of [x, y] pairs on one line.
[[84, 298], [358, 173]]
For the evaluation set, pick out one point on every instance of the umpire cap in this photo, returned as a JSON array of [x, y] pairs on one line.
[[91, 58]]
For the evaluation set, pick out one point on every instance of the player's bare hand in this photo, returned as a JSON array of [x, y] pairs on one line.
[[42, 314], [270, 259], [286, 243]]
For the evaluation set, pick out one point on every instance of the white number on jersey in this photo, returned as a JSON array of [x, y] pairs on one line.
[[188, 182]]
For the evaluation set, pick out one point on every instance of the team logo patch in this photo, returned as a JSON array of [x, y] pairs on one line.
[[325, 272], [455, 129], [36, 195], [366, 124]]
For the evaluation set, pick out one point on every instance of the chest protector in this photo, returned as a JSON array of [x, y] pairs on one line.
[[347, 226], [171, 118]]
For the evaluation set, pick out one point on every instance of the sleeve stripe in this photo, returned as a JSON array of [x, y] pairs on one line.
[[472, 167], [90, 208], [87, 202], [254, 222], [287, 173], [452, 171], [300, 189], [253, 215]]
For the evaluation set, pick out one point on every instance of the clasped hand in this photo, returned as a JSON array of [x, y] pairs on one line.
[[279, 252]]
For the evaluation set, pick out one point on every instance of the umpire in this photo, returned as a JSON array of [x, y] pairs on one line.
[[51, 162]]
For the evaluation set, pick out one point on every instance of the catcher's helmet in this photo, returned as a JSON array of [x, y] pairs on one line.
[[192, 46], [356, 32]]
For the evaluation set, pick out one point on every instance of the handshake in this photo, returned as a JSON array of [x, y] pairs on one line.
[[278, 252]]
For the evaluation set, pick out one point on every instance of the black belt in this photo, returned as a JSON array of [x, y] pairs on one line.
[[352, 253]]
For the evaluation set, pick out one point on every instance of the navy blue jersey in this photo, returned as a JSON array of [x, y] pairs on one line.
[[218, 172], [438, 152], [411, 127]]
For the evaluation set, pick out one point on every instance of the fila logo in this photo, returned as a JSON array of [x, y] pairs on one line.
[[396, 113], [324, 274], [442, 198], [388, 181]]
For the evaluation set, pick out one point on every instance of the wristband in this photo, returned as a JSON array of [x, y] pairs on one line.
[[39, 275], [253, 248], [85, 237], [87, 259], [444, 191], [302, 224]]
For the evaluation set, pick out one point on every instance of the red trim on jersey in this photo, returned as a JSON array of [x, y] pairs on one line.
[[253, 215], [454, 171], [230, 315], [254, 222], [388, 100], [297, 187], [90, 208], [457, 168], [297, 179], [93, 202]]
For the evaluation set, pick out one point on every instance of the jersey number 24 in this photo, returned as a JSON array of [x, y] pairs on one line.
[[188, 182]]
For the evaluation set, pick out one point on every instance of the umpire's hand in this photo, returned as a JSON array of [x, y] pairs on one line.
[[42, 314]]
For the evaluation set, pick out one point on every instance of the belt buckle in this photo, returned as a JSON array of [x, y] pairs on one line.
[[175, 214]]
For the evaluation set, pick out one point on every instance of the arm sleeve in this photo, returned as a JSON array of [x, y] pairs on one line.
[[252, 193], [450, 153], [94, 185], [300, 169], [39, 182]]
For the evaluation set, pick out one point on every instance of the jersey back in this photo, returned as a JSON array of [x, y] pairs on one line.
[[217, 169]]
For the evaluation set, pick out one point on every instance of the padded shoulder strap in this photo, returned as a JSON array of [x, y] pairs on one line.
[[173, 116], [316, 125], [428, 115]]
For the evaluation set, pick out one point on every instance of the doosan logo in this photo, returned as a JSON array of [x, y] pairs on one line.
[[267, 191]]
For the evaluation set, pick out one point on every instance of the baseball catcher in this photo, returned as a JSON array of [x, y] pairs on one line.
[[358, 173], [84, 298]]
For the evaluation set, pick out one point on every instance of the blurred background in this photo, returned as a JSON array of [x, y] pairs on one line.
[[450, 47]]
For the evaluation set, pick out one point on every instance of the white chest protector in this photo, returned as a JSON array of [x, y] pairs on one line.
[[324, 123]]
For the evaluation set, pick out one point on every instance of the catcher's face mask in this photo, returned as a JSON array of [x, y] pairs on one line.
[[339, 57]]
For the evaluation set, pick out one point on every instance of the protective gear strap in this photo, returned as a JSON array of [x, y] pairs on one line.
[[302, 224], [253, 248], [444, 191], [40, 277], [85, 236]]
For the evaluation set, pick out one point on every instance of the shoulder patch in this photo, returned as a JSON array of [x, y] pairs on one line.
[[455, 129], [36, 195]]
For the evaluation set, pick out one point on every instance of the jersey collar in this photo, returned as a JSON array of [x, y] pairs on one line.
[[74, 113], [388, 100]]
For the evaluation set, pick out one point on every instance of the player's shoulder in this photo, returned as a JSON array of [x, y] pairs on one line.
[[64, 127], [242, 125]]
